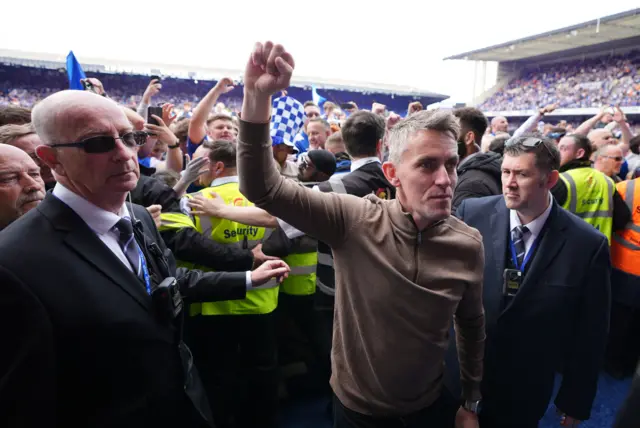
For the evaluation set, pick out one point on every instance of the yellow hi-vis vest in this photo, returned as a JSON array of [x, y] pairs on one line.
[[590, 197], [625, 245], [177, 221], [259, 300], [303, 261]]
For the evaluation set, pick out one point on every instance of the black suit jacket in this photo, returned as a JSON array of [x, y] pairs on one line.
[[81, 346], [558, 320]]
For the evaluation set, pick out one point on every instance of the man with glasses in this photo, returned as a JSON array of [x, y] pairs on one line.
[[546, 293], [91, 303], [608, 160]]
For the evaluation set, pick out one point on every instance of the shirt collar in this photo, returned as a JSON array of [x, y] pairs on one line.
[[224, 180], [535, 227], [356, 164], [101, 221]]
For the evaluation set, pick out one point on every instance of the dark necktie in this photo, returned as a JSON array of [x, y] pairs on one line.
[[517, 237], [128, 244]]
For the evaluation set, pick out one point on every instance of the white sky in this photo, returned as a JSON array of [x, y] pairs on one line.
[[397, 42]]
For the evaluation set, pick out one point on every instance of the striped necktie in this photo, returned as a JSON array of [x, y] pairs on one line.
[[128, 244], [517, 237]]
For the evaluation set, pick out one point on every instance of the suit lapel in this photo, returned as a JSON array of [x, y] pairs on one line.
[[81, 239], [499, 227]]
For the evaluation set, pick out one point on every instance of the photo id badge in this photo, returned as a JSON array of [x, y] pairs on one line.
[[512, 282]]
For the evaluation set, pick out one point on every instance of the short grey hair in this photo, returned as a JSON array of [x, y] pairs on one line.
[[436, 120]]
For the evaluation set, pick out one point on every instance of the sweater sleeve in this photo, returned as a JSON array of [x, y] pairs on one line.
[[325, 216]]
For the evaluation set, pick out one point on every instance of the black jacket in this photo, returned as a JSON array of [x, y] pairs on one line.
[[478, 175], [621, 213], [559, 318], [81, 343], [151, 191]]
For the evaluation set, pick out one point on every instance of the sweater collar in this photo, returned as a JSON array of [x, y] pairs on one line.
[[403, 221]]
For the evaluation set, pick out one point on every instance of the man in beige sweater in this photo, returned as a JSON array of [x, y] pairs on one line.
[[404, 267]]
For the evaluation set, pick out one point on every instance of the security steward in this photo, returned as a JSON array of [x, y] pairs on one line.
[[234, 342], [623, 349], [586, 192]]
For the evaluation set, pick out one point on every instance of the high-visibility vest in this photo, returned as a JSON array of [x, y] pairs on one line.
[[177, 221], [259, 300], [303, 261], [625, 245], [590, 197]]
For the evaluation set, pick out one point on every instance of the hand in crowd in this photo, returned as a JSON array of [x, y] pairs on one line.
[[268, 70], [618, 115], [392, 120], [414, 107], [269, 270], [466, 419], [195, 169], [378, 108], [224, 86], [548, 109], [168, 115], [207, 207], [161, 131], [152, 90], [96, 85], [260, 257], [155, 211]]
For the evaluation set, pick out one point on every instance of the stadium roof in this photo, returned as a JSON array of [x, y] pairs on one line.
[[607, 30]]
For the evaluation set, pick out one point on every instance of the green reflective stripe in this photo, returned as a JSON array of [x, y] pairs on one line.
[[630, 193], [302, 270], [325, 289], [325, 259], [623, 242], [594, 214], [306, 259], [573, 192]]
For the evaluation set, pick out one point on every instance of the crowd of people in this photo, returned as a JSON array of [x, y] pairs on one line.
[[611, 80], [163, 268]]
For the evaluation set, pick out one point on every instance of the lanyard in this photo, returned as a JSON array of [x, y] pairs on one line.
[[145, 271], [527, 256]]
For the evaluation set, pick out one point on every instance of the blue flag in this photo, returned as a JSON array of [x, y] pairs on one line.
[[75, 72], [317, 98]]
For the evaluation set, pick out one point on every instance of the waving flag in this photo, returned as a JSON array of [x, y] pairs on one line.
[[74, 72], [317, 98]]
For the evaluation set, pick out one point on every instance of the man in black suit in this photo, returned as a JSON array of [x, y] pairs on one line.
[[546, 293], [88, 338]]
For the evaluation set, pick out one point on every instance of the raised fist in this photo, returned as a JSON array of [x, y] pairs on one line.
[[269, 69]]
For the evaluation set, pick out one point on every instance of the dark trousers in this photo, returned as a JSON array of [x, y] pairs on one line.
[[236, 356], [300, 312], [441, 414], [623, 347], [497, 421]]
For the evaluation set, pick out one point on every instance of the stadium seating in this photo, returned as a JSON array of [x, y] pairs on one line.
[[27, 85], [611, 80]]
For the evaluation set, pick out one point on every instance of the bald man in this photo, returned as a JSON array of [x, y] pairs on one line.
[[91, 303], [600, 138], [21, 188]]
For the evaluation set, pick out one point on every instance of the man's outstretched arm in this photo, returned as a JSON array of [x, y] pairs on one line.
[[321, 215]]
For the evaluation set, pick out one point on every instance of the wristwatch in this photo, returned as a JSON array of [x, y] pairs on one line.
[[176, 145], [472, 406]]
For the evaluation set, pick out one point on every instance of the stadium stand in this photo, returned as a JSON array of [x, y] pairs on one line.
[[580, 68]]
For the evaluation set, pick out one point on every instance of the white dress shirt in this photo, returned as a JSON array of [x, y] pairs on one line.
[[357, 164], [534, 227], [102, 222]]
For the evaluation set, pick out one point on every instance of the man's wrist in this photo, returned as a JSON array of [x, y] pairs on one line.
[[256, 107]]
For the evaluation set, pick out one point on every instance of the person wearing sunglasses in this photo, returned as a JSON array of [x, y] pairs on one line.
[[546, 293], [608, 160], [92, 297]]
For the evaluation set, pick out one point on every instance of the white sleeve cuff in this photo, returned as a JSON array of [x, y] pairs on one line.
[[248, 280]]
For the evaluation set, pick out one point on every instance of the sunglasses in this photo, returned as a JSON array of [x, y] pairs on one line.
[[615, 158], [530, 143], [104, 143]]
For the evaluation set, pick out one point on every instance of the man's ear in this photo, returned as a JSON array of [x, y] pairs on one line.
[[49, 156], [552, 179], [390, 172], [469, 139], [579, 153]]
